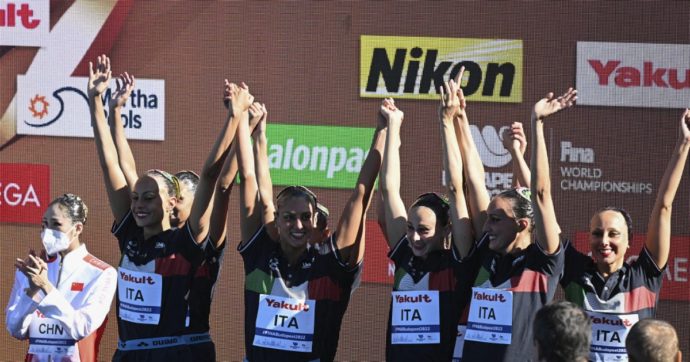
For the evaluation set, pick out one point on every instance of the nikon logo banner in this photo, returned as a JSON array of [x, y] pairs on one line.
[[416, 67], [317, 156]]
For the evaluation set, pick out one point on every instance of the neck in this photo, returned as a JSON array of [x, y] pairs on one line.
[[522, 242], [292, 254], [607, 269], [151, 231]]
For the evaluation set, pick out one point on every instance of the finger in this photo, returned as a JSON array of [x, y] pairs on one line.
[[34, 260], [458, 77], [107, 63], [451, 87], [443, 98], [90, 69]]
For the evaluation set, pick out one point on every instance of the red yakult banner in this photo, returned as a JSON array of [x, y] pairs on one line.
[[24, 192], [675, 285]]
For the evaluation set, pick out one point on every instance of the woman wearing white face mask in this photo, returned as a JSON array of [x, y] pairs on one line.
[[60, 300]]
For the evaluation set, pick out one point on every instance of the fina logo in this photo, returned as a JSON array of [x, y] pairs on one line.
[[39, 106], [490, 146]]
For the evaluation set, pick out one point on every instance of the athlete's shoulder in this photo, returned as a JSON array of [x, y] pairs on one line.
[[95, 262]]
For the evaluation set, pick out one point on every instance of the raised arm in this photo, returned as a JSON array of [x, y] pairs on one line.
[[389, 183], [515, 141], [546, 225], [263, 173], [125, 85], [452, 101], [477, 196], [221, 201], [658, 240], [115, 183], [249, 190], [200, 216], [350, 231]]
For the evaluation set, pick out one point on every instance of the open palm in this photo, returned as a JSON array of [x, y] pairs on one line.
[[550, 105], [99, 78]]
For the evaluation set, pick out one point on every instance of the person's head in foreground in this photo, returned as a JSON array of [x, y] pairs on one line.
[[652, 340], [562, 333]]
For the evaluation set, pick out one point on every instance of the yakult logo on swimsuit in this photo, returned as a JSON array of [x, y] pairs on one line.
[[633, 74], [410, 67], [424, 298], [287, 306], [489, 297], [59, 107], [612, 322], [318, 156], [24, 191], [138, 280], [24, 23]]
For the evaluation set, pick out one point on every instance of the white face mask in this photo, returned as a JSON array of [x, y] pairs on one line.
[[55, 241]]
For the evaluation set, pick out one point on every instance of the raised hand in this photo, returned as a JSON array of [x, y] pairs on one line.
[[685, 126], [461, 95], [256, 114], [240, 98], [226, 94], [550, 105], [450, 98], [514, 139], [125, 86], [390, 112], [261, 126], [99, 77]]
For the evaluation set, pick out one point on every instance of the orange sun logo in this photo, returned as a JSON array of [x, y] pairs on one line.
[[39, 107]]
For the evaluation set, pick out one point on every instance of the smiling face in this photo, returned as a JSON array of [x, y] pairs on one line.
[[423, 233], [608, 240], [295, 219], [501, 225], [151, 203]]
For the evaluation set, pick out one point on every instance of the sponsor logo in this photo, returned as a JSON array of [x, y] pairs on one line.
[[24, 23], [24, 192], [319, 156], [490, 146], [51, 58], [633, 74], [612, 321], [416, 67], [422, 298], [578, 174], [489, 297], [287, 306], [144, 279], [61, 108]]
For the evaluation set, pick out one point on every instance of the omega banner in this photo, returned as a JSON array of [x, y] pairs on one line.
[[322, 69]]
